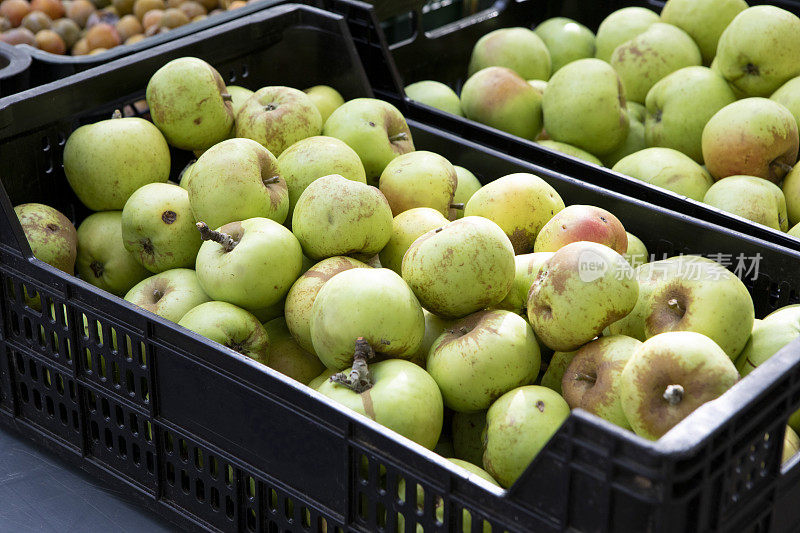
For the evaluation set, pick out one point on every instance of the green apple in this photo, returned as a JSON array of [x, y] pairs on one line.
[[703, 20], [582, 223], [287, 357], [749, 55], [315, 157], [190, 105], [239, 96], [300, 298], [235, 180], [791, 192], [501, 98], [462, 267], [518, 426], [768, 336], [50, 234], [356, 217], [583, 288], [651, 56], [322, 378], [435, 94], [795, 231], [406, 228], [622, 26], [554, 374], [667, 168], [584, 105], [752, 198], [527, 267], [375, 129], [379, 306], [419, 179], [326, 99], [635, 141], [434, 327], [158, 227], [568, 149], [185, 175], [791, 444], [170, 294], [102, 259], [107, 161], [566, 40], [468, 185], [521, 204], [592, 379], [401, 396], [669, 376], [637, 252], [518, 49], [483, 356], [251, 263], [788, 95], [467, 442], [707, 299], [680, 105], [751, 137], [230, 326]]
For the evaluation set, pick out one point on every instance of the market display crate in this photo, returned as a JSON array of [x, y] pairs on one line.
[[212, 440], [443, 54], [14, 65]]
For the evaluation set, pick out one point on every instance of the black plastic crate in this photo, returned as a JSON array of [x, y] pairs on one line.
[[14, 65], [442, 54], [212, 440]]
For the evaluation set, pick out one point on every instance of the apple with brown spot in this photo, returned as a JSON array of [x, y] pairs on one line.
[[419, 179], [582, 223], [169, 294]]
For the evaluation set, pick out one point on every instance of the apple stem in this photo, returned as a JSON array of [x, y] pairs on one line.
[[402, 136], [781, 166], [273, 179], [116, 114], [359, 380], [580, 376], [675, 305], [673, 394], [223, 239], [226, 97], [459, 207]]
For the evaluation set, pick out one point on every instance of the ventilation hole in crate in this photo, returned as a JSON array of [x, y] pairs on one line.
[[62, 413], [33, 373], [420, 499], [75, 420], [122, 446], [199, 490], [288, 508], [212, 466], [183, 449], [151, 463], [87, 360], [23, 392], [120, 416], [134, 424], [170, 473], [45, 144], [144, 390], [54, 342], [305, 517], [95, 431], [214, 498], [92, 402], [109, 439], [251, 519], [102, 370], [136, 454], [273, 501], [251, 487], [142, 355], [232, 76], [14, 323], [245, 71], [51, 407], [115, 373], [37, 399], [106, 409], [229, 476], [20, 364], [362, 505], [28, 332], [322, 524], [198, 459], [168, 444], [148, 435], [229, 507], [363, 474], [381, 518], [47, 378], [42, 337], [130, 382], [60, 384]]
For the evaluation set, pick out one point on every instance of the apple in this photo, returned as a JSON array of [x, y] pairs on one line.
[[230, 326], [795, 231], [419, 179], [518, 49], [637, 252], [287, 357], [277, 117], [791, 192], [468, 185], [570, 150], [788, 95], [107, 161], [326, 99], [768, 336], [669, 376], [582, 223], [703, 20], [791, 444], [622, 26], [406, 228], [635, 141], [50, 234], [169, 294], [752, 198], [566, 40], [467, 442], [669, 169], [462, 267], [527, 267], [435, 94], [322, 378], [239, 96], [554, 374]]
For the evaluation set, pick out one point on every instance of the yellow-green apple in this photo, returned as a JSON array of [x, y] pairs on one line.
[[582, 223], [521, 204], [566, 40], [791, 444], [752, 198], [483, 356], [788, 95], [277, 117], [568, 149], [584, 105], [468, 185], [652, 55], [669, 376], [703, 20], [527, 268], [183, 179], [326, 99], [190, 105], [635, 139], [554, 374], [50, 234], [518, 49], [464, 266], [583, 288], [230, 326], [315, 157], [435, 94], [637, 252], [419, 179], [406, 228], [795, 231], [622, 26], [434, 327], [288, 357], [356, 217], [751, 137], [778, 329], [518, 425], [322, 378], [502, 99], [375, 129], [467, 442], [239, 96], [592, 379], [170, 294], [667, 168], [791, 192], [748, 53], [680, 105], [131, 150]]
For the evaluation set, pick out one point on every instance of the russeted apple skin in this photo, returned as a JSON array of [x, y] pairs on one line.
[[753, 198], [527, 267], [518, 49], [683, 358], [582, 223], [621, 26], [751, 137], [419, 179], [591, 381], [50, 234]]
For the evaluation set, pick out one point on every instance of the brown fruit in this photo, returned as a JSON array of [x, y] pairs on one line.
[[68, 30], [102, 36], [52, 8], [123, 7], [14, 11], [50, 41], [128, 26], [18, 36], [141, 7], [152, 18], [36, 21], [80, 11], [192, 9], [5, 24], [133, 39], [174, 18], [80, 48]]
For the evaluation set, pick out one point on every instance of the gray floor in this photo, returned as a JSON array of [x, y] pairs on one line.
[[39, 493]]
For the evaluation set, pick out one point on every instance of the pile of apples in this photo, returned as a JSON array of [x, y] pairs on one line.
[[311, 236], [80, 27], [703, 100]]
